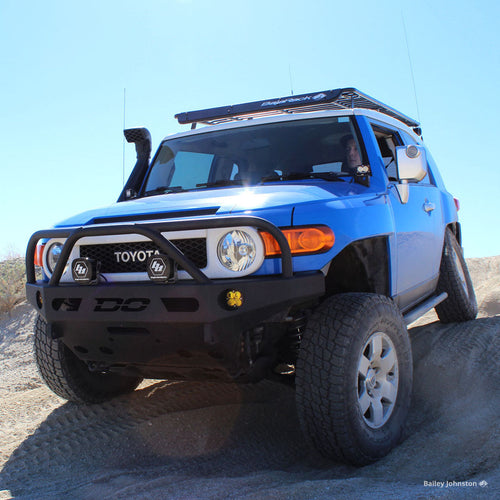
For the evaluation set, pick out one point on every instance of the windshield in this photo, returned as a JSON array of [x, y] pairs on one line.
[[327, 148]]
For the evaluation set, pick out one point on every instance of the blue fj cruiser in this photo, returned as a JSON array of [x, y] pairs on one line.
[[292, 238]]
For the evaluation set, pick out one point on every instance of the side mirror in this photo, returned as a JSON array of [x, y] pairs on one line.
[[412, 163], [412, 167]]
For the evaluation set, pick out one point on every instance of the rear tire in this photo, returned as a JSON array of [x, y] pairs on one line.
[[354, 377], [69, 377], [455, 280]]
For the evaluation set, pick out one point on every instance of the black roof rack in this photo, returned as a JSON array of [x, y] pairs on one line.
[[337, 99]]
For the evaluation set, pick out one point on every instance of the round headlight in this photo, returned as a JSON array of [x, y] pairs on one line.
[[53, 255], [236, 250]]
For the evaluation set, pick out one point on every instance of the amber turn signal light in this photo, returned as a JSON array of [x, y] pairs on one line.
[[39, 255], [303, 240]]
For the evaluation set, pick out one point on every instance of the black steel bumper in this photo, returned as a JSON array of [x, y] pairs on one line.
[[138, 323], [146, 323]]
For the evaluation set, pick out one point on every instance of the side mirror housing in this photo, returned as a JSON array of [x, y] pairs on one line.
[[412, 163], [412, 167]]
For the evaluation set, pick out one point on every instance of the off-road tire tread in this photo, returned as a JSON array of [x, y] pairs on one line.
[[322, 406], [459, 306], [63, 372]]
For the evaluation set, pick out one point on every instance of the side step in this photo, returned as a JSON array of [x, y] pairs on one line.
[[422, 308]]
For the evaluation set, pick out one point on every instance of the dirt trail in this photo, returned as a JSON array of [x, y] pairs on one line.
[[208, 440]]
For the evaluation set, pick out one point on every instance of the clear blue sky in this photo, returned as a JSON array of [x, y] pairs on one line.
[[64, 67]]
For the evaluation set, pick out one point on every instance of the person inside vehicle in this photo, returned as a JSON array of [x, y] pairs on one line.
[[352, 156]]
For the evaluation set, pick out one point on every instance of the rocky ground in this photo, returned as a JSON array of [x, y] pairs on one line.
[[207, 440]]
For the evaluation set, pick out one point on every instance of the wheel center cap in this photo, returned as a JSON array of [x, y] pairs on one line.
[[371, 381]]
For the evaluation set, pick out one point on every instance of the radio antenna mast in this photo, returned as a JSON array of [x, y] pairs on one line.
[[123, 155], [290, 75], [411, 66]]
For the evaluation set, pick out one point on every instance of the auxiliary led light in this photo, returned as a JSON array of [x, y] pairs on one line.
[[234, 299]]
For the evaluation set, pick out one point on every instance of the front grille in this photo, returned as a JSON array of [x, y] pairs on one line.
[[132, 257]]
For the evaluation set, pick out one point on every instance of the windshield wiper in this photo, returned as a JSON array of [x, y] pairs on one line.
[[327, 176], [164, 190], [221, 183]]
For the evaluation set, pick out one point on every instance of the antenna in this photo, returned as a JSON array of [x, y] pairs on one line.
[[411, 66], [123, 155], [290, 75]]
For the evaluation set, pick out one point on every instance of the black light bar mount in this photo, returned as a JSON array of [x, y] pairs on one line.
[[338, 99]]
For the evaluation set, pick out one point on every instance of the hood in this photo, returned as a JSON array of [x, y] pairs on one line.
[[210, 201]]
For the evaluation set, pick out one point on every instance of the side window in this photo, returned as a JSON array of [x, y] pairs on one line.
[[387, 141]]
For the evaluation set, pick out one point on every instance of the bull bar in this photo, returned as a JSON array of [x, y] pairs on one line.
[[153, 232]]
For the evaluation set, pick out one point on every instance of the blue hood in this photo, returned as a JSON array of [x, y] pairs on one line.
[[221, 201]]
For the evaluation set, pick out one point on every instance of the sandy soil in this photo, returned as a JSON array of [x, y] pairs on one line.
[[206, 440]]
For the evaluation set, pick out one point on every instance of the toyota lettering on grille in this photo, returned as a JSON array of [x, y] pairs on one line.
[[134, 256]]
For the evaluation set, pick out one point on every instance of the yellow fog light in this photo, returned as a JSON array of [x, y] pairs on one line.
[[234, 299]]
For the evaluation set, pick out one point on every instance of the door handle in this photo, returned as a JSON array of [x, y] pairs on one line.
[[428, 206]]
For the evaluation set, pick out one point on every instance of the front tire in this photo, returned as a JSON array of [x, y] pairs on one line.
[[455, 280], [69, 377], [354, 378]]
